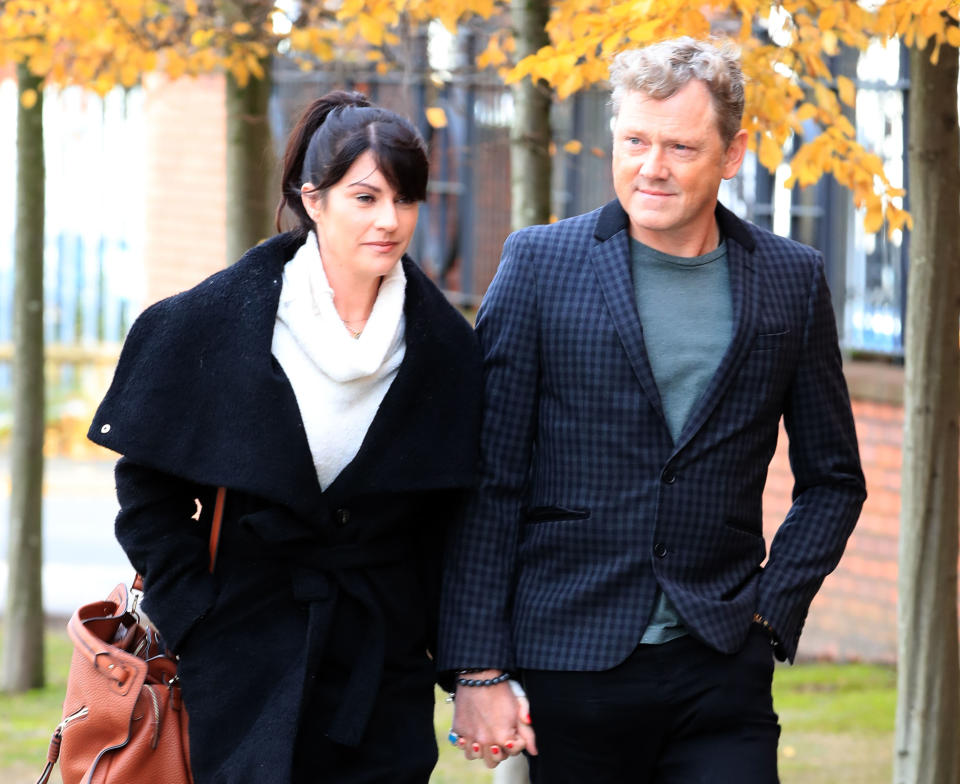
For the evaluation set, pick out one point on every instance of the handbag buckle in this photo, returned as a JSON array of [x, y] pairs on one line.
[[133, 602]]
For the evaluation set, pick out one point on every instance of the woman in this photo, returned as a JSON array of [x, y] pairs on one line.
[[333, 391]]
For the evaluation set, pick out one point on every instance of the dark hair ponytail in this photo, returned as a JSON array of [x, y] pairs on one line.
[[332, 133], [297, 143]]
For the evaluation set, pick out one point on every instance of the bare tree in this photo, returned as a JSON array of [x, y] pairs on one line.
[[251, 164], [530, 135], [23, 641], [928, 692]]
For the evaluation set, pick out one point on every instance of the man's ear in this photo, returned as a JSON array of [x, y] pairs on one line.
[[733, 155]]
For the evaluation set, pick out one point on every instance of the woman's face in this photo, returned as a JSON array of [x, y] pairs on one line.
[[363, 225]]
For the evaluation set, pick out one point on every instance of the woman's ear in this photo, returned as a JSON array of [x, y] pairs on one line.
[[310, 199]]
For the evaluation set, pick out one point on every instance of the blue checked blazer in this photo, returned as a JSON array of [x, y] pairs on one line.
[[586, 504]]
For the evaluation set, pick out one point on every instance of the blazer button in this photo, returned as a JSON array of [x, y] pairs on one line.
[[342, 517], [660, 550], [669, 476]]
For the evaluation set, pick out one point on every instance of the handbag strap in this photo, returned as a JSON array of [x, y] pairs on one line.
[[215, 527]]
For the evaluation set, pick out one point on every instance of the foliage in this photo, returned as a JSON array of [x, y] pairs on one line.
[[786, 54], [785, 57]]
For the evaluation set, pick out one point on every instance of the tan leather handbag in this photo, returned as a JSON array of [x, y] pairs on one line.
[[123, 718]]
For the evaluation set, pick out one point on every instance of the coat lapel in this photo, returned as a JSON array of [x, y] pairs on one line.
[[276, 463], [611, 262], [743, 289], [198, 394]]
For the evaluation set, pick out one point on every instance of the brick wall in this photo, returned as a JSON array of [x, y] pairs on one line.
[[186, 183]]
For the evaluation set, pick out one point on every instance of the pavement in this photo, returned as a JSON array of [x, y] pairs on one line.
[[82, 560]]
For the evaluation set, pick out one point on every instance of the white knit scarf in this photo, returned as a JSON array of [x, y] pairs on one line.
[[339, 381]]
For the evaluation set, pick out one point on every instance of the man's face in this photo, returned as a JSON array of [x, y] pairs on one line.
[[668, 161]]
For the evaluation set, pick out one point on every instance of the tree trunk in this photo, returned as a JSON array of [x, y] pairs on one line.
[[23, 640], [251, 164], [530, 135], [928, 694]]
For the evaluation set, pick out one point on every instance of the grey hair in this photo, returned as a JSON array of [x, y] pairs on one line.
[[663, 68]]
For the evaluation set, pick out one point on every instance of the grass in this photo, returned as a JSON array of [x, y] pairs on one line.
[[28, 720], [837, 724]]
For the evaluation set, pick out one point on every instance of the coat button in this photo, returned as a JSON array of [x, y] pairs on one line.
[[669, 476], [105, 429], [660, 550], [342, 517]]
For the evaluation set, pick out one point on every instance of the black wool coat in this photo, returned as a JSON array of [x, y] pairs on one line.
[[318, 598]]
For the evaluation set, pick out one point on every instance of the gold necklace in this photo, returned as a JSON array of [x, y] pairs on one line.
[[354, 333]]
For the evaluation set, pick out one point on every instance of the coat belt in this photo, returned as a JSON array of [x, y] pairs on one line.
[[318, 574]]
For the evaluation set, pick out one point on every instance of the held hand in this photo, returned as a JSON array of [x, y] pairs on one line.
[[525, 728], [489, 723]]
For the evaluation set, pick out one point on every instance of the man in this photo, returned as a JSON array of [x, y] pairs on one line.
[[638, 360]]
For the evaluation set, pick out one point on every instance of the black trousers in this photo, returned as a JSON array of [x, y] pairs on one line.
[[677, 713]]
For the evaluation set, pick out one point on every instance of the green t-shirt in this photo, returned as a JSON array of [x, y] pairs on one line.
[[686, 311]]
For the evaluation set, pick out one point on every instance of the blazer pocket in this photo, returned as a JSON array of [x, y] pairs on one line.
[[744, 527], [544, 514], [767, 341]]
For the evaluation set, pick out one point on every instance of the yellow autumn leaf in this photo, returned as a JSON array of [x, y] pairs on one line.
[[573, 147], [932, 25], [129, 75], [829, 16], [896, 219], [830, 43], [174, 64], [873, 220], [770, 153], [28, 98], [807, 111], [190, 6], [953, 36], [241, 29], [492, 56], [847, 91], [570, 85], [201, 38], [240, 73], [370, 29], [436, 116]]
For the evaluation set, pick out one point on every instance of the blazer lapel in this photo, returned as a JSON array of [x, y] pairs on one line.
[[743, 288], [611, 262]]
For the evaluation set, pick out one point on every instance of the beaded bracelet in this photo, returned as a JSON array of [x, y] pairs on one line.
[[503, 676], [765, 625]]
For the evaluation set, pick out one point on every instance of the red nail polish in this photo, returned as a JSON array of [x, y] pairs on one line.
[[528, 718], [509, 745], [494, 749], [462, 742], [476, 747]]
